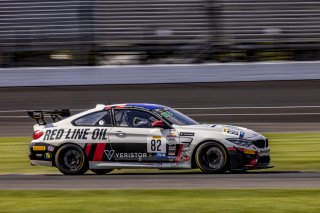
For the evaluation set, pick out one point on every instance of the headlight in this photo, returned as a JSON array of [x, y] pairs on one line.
[[240, 142]]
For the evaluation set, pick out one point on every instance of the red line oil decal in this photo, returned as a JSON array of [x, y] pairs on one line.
[[88, 148], [179, 152], [99, 152]]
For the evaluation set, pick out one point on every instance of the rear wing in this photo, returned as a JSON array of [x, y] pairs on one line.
[[56, 115]]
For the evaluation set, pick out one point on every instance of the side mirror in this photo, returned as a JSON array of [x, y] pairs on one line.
[[158, 123]]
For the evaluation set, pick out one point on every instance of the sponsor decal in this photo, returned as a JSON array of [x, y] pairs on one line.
[[39, 148], [249, 152], [39, 155], [171, 140], [37, 114], [156, 137], [130, 155], [47, 155], [156, 144], [166, 114], [77, 134], [264, 152], [160, 155], [172, 133], [186, 134], [172, 153], [50, 148], [111, 153], [229, 130], [241, 134], [172, 150]]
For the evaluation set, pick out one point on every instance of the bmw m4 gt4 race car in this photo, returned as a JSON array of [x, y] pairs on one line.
[[142, 136]]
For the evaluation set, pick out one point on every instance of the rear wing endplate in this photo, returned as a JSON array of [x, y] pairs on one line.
[[56, 115]]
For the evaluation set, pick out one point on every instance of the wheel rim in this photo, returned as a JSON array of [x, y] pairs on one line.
[[213, 158], [72, 159]]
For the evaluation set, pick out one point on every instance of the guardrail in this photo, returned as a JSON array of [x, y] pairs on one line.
[[153, 74]]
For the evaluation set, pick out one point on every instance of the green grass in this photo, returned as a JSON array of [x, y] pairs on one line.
[[14, 157], [289, 151], [238, 201], [295, 151]]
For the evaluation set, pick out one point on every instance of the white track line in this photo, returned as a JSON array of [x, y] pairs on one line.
[[25, 110], [14, 116], [171, 65]]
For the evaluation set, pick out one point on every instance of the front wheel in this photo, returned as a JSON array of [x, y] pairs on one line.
[[212, 158], [71, 160]]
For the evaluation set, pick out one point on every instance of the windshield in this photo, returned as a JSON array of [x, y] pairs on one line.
[[175, 117]]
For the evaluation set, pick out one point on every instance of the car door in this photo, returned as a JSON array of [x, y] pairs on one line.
[[134, 139]]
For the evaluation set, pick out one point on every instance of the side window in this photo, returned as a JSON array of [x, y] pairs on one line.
[[121, 117], [101, 118], [134, 118]]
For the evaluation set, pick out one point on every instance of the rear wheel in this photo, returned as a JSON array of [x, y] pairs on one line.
[[212, 158], [101, 171], [71, 160]]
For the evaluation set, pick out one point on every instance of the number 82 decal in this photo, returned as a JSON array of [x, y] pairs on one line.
[[156, 144]]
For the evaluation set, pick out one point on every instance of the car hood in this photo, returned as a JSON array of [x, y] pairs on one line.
[[227, 130]]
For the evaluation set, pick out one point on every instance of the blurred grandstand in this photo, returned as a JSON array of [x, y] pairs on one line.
[[100, 32]]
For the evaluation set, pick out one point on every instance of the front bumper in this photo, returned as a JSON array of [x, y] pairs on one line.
[[243, 159], [40, 163]]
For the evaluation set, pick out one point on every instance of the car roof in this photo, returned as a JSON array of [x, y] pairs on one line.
[[137, 105]]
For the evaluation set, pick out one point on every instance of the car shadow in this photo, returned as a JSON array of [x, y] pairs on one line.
[[161, 173]]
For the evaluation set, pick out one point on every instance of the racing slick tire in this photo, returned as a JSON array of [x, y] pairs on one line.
[[212, 158], [101, 171], [71, 160]]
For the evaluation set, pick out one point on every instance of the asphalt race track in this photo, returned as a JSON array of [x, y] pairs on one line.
[[197, 180], [263, 106]]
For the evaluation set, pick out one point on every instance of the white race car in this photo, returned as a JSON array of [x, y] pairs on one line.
[[142, 136]]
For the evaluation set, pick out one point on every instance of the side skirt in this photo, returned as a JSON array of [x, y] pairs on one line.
[[122, 165]]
